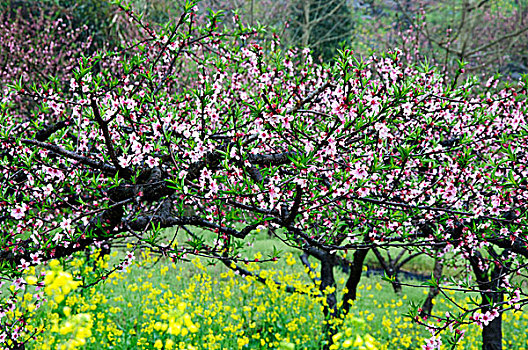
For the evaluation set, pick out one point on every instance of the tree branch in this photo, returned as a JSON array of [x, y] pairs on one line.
[[106, 168]]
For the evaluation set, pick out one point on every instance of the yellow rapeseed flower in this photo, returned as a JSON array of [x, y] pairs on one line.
[[158, 344], [32, 280], [169, 343]]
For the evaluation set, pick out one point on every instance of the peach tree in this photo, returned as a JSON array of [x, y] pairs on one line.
[[220, 131]]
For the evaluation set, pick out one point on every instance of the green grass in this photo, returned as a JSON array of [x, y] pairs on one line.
[[135, 310]]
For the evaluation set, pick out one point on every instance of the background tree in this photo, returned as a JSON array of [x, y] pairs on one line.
[[321, 26], [37, 46], [489, 36]]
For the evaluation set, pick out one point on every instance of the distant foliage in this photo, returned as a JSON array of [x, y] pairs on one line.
[[321, 25], [36, 47], [489, 37]]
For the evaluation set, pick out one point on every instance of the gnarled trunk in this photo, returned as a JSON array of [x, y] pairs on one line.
[[492, 334], [491, 293], [427, 307]]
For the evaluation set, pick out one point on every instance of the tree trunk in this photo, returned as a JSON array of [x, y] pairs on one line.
[[491, 293], [306, 26], [389, 269], [492, 334], [330, 309], [427, 307], [353, 280], [326, 280]]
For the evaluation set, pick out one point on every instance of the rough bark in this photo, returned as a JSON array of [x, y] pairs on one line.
[[491, 293], [492, 335], [427, 307], [389, 269], [353, 279]]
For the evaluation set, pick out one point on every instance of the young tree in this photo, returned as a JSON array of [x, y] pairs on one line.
[[345, 157], [488, 36], [37, 46], [321, 26]]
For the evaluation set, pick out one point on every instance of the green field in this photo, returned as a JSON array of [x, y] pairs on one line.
[[157, 304]]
